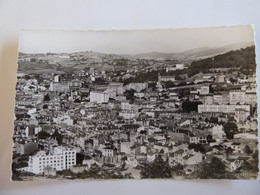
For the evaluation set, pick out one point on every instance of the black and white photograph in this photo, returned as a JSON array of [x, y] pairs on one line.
[[136, 104]]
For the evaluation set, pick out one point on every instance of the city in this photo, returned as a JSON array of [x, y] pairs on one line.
[[88, 115]]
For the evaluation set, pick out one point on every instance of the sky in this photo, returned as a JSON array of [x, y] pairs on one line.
[[133, 42]]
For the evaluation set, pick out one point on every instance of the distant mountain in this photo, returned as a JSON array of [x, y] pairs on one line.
[[62, 63], [197, 53]]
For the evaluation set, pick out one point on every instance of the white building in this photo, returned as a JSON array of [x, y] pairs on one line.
[[125, 147], [241, 115], [62, 158], [57, 78], [179, 66], [166, 78], [204, 89], [99, 96], [115, 88], [137, 86], [217, 98], [127, 114], [251, 98], [63, 119], [125, 105], [59, 86], [221, 79], [202, 108], [207, 99], [217, 132], [108, 152], [237, 97]]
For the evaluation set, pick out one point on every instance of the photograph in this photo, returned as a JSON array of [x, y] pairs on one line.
[[136, 104]]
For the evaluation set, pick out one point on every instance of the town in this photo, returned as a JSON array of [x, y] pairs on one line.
[[108, 117]]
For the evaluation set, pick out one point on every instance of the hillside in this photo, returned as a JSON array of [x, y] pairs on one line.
[[244, 59], [194, 54], [67, 63]]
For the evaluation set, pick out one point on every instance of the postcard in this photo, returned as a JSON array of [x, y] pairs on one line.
[[140, 104]]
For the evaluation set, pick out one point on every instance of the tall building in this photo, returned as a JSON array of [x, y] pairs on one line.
[[59, 86], [166, 78], [61, 158], [237, 97], [115, 88], [99, 96], [230, 109], [57, 78]]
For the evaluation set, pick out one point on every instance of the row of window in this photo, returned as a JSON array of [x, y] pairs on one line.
[[56, 165], [47, 162], [71, 155], [51, 157]]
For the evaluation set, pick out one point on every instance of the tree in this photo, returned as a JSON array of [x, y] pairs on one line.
[[156, 169], [197, 148], [77, 101], [215, 169], [129, 94], [248, 150], [56, 135], [168, 84], [251, 166], [230, 129], [152, 85], [46, 98], [229, 151], [178, 169], [43, 135], [190, 106]]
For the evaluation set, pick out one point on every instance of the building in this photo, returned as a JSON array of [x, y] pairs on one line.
[[125, 105], [229, 109], [75, 84], [115, 88], [220, 79], [237, 97], [204, 89], [59, 86], [99, 96], [166, 78], [217, 98], [108, 151], [25, 102], [207, 99], [57, 78], [127, 114], [217, 132], [137, 86], [241, 115], [251, 98], [61, 158]]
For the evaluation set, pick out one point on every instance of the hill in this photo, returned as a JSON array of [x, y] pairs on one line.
[[194, 54], [243, 59]]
